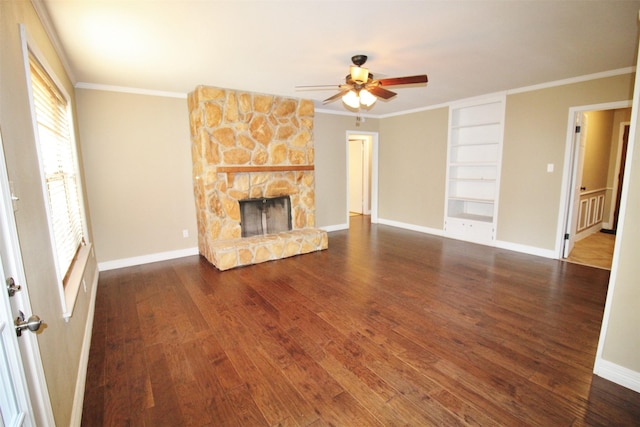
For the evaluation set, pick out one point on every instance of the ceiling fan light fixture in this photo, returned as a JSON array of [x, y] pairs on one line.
[[359, 75], [351, 99], [366, 98], [355, 91]]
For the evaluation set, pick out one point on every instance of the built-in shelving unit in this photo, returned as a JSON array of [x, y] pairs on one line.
[[473, 169]]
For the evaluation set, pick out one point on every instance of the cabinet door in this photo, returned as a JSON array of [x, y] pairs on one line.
[[455, 228], [473, 231], [479, 231]]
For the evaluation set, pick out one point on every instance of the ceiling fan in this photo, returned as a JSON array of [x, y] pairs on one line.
[[361, 89]]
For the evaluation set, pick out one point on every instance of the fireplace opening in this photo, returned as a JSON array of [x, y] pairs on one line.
[[265, 216]]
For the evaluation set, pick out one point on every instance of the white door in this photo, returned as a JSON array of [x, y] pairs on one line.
[[579, 142], [15, 402], [15, 406], [356, 171]]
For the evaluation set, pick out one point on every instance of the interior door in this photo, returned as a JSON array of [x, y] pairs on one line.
[[15, 406], [15, 402], [623, 160], [579, 141]]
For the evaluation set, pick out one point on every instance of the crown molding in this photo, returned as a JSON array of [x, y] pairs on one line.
[[124, 89], [49, 28], [572, 80], [579, 79], [555, 83]]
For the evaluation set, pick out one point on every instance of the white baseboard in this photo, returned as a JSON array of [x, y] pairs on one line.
[[530, 250], [526, 249], [617, 374], [337, 227], [146, 259], [78, 397], [413, 227], [163, 256]]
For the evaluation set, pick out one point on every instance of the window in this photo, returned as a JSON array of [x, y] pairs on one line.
[[59, 166], [53, 125]]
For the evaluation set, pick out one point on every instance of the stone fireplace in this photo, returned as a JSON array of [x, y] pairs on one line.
[[249, 147]]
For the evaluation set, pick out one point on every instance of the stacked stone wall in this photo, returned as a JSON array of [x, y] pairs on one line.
[[247, 145]]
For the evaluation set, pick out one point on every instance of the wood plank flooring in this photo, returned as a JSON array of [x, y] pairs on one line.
[[387, 327], [595, 250]]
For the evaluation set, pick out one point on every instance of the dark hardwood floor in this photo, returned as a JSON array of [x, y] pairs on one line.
[[386, 327]]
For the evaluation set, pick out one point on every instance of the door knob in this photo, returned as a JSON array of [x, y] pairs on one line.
[[32, 323]]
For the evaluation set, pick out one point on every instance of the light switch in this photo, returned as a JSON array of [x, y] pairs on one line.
[[549, 167]]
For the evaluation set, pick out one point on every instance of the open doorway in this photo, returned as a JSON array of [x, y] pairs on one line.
[[362, 149], [598, 147], [359, 175]]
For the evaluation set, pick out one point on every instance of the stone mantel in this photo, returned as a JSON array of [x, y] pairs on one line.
[[239, 169]]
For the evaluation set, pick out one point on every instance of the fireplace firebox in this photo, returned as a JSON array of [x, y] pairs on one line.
[[265, 216]]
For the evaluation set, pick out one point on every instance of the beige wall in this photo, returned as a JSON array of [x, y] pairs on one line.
[[413, 158], [619, 343], [597, 149], [619, 339], [137, 156], [535, 135], [330, 132], [60, 342]]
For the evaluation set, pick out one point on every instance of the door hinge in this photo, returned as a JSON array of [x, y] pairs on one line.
[[566, 236], [12, 287], [578, 129]]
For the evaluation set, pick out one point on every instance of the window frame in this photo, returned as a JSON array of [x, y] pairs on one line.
[[69, 279]]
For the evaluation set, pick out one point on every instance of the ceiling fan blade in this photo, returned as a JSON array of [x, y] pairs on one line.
[[336, 96], [381, 92], [395, 81]]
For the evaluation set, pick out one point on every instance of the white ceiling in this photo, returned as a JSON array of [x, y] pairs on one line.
[[467, 48]]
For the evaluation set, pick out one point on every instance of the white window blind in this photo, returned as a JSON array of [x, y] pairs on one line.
[[59, 166]]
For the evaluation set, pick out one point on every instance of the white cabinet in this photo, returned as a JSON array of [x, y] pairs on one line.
[[468, 229], [473, 169]]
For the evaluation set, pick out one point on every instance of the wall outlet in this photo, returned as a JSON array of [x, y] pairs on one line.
[[550, 167], [185, 233]]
